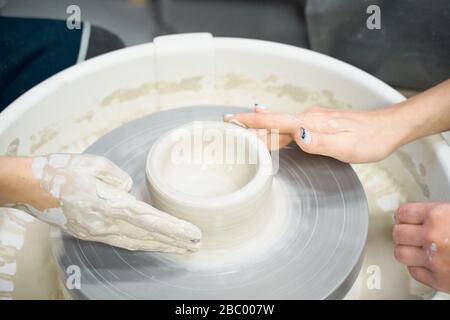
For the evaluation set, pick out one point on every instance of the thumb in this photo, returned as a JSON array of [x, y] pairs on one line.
[[316, 142]]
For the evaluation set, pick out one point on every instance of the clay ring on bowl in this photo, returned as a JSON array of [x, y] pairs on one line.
[[213, 174]]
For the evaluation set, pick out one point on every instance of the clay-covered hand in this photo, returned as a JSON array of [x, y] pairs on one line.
[[87, 196], [347, 135], [422, 236]]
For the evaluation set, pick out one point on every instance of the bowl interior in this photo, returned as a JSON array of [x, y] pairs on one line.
[[206, 159]]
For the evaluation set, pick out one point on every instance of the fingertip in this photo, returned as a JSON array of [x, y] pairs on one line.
[[227, 117], [194, 233], [122, 179], [311, 142], [237, 122], [258, 108], [127, 183], [304, 136], [395, 234], [395, 216], [411, 213]]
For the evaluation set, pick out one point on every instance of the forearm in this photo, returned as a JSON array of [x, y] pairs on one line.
[[18, 184], [425, 114]]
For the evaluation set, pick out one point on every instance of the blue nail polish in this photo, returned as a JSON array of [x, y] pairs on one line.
[[305, 136]]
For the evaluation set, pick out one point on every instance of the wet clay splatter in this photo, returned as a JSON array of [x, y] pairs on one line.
[[41, 138], [295, 93], [85, 117], [13, 148], [407, 161], [152, 88]]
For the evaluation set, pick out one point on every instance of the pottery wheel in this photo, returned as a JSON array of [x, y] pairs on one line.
[[311, 249]]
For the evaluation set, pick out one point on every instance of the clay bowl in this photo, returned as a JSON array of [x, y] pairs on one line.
[[213, 174]]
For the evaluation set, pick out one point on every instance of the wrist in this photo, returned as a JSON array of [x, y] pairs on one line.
[[424, 114], [404, 123], [11, 178], [389, 128], [18, 185]]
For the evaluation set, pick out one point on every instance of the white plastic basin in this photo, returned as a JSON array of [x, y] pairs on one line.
[[72, 109]]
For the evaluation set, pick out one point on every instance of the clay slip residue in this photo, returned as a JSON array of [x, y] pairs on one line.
[[13, 148], [271, 84], [41, 138], [122, 95], [407, 161], [233, 80], [84, 117], [153, 88]]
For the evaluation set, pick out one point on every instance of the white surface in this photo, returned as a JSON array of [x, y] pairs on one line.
[[70, 110], [447, 137]]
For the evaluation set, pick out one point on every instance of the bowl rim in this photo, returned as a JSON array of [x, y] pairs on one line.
[[255, 185]]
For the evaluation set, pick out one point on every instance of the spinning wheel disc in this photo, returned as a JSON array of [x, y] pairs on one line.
[[310, 249]]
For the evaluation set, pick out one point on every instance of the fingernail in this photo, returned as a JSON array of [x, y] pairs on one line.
[[305, 136], [260, 107], [227, 116], [394, 217], [238, 123]]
